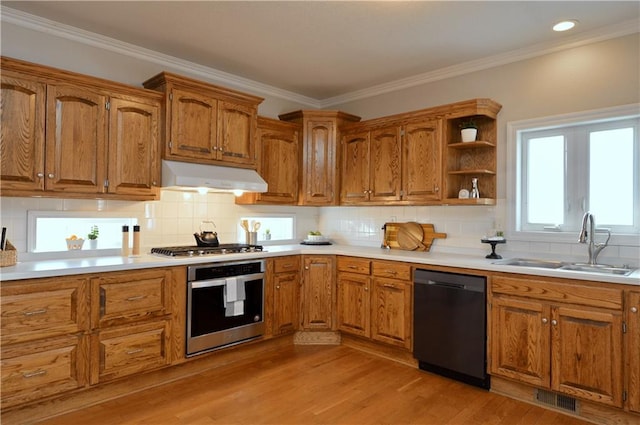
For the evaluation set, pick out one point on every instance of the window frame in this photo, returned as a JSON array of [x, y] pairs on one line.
[[515, 173]]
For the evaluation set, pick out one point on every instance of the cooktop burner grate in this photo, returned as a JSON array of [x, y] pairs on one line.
[[194, 251]]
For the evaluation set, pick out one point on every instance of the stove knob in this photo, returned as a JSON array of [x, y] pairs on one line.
[[223, 251], [190, 253], [201, 252]]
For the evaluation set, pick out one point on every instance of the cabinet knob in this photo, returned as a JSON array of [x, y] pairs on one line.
[[370, 191], [554, 322], [51, 175], [366, 289], [154, 183], [634, 309], [306, 267], [436, 189], [277, 286], [365, 192], [40, 175], [545, 320]]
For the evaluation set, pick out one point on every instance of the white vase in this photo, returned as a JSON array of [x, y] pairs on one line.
[[469, 134], [93, 243]]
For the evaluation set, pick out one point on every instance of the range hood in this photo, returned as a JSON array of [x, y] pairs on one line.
[[180, 175]]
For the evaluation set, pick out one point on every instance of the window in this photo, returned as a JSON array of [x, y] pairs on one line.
[[566, 166], [272, 228]]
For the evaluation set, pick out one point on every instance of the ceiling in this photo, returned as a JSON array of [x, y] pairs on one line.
[[325, 49]]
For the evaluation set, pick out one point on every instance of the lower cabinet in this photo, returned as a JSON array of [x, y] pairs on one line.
[[574, 349], [125, 350], [374, 300], [34, 370], [318, 292], [632, 305], [283, 289], [65, 333]]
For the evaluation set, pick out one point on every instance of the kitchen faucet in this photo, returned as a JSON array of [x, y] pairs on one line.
[[588, 237]]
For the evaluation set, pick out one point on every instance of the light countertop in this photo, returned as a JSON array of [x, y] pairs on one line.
[[73, 266]]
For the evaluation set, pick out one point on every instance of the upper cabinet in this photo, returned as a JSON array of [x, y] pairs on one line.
[[206, 123], [278, 147], [65, 134], [319, 177], [418, 158]]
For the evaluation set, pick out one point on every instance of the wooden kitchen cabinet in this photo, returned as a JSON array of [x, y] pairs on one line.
[[22, 132], [422, 161], [320, 160], [86, 138], [632, 305], [563, 336], [205, 123], [44, 349], [371, 166], [374, 300], [284, 283], [467, 160], [278, 147], [318, 292]]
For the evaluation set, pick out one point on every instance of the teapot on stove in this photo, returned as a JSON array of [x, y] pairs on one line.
[[207, 237]]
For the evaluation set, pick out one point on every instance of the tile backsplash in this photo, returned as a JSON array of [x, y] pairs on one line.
[[174, 218]]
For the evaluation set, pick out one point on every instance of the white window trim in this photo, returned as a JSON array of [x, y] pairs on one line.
[[513, 177]]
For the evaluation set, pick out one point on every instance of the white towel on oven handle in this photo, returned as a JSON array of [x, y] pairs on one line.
[[233, 291], [234, 308]]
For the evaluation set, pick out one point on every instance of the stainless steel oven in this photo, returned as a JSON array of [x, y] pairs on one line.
[[225, 304]]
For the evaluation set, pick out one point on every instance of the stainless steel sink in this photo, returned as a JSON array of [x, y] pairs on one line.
[[524, 262], [598, 268], [560, 265]]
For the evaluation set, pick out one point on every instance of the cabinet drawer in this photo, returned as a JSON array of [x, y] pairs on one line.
[[393, 270], [132, 296], [38, 369], [286, 264], [572, 292], [43, 308], [129, 349], [354, 265]]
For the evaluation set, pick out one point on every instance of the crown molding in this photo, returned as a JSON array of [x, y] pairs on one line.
[[601, 34], [37, 23], [68, 32]]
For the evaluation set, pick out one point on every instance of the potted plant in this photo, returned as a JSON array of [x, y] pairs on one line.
[[93, 237], [469, 130], [267, 235]]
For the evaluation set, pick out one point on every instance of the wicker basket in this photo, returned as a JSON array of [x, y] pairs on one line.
[[9, 256]]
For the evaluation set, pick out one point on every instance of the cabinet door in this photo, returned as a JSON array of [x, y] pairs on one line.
[[353, 304], [130, 349], [279, 159], [319, 163], [385, 167], [194, 123], [236, 129], [134, 165], [43, 368], [286, 301], [318, 282], [125, 297], [587, 354], [633, 349], [22, 115], [354, 185], [76, 146], [520, 338], [391, 312], [43, 308], [422, 161]]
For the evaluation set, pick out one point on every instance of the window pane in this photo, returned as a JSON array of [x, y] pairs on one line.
[[611, 176], [270, 229], [545, 180]]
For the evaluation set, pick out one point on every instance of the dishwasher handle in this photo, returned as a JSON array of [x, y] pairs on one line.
[[449, 281], [446, 285]]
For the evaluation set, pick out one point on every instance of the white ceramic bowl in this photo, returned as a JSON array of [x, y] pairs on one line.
[[74, 244], [315, 238]]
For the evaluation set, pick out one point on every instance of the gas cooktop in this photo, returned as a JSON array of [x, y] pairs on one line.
[[195, 251]]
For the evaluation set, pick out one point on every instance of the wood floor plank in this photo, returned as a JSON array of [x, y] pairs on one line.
[[314, 385]]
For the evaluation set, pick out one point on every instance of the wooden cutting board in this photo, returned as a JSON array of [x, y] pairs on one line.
[[406, 236]]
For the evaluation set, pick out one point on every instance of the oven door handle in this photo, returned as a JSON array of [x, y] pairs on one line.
[[207, 283]]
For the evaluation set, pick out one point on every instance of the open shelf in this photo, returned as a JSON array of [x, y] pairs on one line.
[[469, 201], [471, 145], [471, 172]]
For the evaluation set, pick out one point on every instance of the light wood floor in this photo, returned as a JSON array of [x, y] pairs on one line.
[[313, 385]]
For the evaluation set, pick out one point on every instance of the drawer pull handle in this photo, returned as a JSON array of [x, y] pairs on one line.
[[352, 267], [136, 298], [34, 374], [388, 285], [35, 312], [391, 271], [139, 350], [287, 265]]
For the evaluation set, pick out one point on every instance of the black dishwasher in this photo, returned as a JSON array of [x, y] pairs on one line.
[[450, 325]]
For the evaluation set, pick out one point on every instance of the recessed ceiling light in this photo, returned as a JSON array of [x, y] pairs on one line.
[[565, 25]]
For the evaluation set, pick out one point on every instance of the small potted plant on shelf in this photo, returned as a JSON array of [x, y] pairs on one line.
[[267, 235], [468, 130], [93, 237]]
